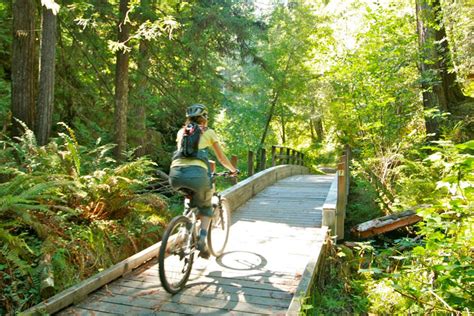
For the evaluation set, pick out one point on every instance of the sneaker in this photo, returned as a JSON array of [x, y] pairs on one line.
[[202, 247], [204, 254]]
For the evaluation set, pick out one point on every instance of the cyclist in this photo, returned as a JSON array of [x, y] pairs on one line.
[[194, 173]]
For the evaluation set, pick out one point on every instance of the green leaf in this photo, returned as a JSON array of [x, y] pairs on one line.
[[466, 145]]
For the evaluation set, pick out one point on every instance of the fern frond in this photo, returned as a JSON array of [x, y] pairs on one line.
[[71, 133], [13, 257], [39, 189], [14, 243], [15, 185]]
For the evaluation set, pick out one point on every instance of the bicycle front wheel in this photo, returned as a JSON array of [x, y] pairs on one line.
[[219, 231], [176, 255]]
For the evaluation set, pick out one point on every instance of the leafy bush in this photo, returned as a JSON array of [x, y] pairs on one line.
[[68, 209], [428, 273]]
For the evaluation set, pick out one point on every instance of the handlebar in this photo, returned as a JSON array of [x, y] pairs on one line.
[[226, 174]]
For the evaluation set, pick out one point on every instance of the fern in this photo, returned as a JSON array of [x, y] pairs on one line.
[[15, 247], [72, 145]]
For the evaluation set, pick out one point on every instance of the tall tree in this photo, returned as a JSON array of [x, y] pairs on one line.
[[23, 63], [121, 82], [441, 91], [44, 113], [139, 95]]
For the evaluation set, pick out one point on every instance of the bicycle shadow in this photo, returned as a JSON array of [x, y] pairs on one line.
[[240, 281]]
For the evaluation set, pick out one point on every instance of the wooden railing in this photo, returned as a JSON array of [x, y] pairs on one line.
[[334, 208], [280, 155]]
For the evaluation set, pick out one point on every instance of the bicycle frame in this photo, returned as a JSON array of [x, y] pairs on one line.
[[188, 225]]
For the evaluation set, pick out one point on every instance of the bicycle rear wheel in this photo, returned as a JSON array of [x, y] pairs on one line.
[[219, 230], [176, 254]]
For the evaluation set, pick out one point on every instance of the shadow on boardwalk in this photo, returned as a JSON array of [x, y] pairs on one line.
[[236, 283]]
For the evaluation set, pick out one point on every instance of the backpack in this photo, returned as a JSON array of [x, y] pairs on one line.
[[189, 142]]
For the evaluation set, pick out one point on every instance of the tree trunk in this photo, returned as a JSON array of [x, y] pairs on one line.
[[121, 84], [44, 113], [450, 86], [276, 95], [441, 91], [311, 129], [318, 127], [23, 64], [139, 107], [269, 119], [283, 130]]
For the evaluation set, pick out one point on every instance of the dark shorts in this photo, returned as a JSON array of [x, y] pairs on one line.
[[196, 179]]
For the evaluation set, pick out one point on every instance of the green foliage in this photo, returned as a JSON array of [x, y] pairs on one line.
[[377, 99], [74, 204], [438, 271], [429, 273], [349, 65], [362, 203], [338, 291]]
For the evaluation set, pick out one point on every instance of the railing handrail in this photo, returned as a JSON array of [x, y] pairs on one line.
[[334, 208], [286, 155]]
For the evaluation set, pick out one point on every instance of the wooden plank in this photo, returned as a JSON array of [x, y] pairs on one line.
[[287, 285], [186, 303], [385, 224], [77, 311], [143, 288], [214, 268], [204, 291], [101, 303], [225, 277]]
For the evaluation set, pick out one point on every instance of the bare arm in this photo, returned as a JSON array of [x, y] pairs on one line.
[[222, 157]]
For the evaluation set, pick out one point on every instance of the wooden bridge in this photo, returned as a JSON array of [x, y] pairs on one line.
[[275, 244]]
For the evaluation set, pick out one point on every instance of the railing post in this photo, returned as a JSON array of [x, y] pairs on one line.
[[250, 163], [280, 156], [273, 156], [341, 198], [263, 159], [348, 159], [288, 155]]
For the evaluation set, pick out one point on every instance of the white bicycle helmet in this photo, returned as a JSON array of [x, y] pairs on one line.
[[196, 110]]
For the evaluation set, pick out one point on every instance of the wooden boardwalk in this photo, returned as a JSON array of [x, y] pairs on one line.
[[271, 240]]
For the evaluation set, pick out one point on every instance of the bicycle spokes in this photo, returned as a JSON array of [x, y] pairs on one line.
[[176, 254], [219, 231]]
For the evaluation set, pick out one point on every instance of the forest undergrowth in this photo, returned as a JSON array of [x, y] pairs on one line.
[[424, 269], [68, 212]]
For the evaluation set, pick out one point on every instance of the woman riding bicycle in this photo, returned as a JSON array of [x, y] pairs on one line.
[[193, 173]]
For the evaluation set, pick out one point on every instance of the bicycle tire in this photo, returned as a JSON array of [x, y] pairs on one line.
[[175, 261], [219, 231]]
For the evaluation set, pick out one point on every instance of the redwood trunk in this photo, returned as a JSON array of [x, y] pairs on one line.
[[23, 64], [441, 91], [121, 84], [44, 113]]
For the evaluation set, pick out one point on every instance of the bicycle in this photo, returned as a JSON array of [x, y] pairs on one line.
[[178, 245]]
